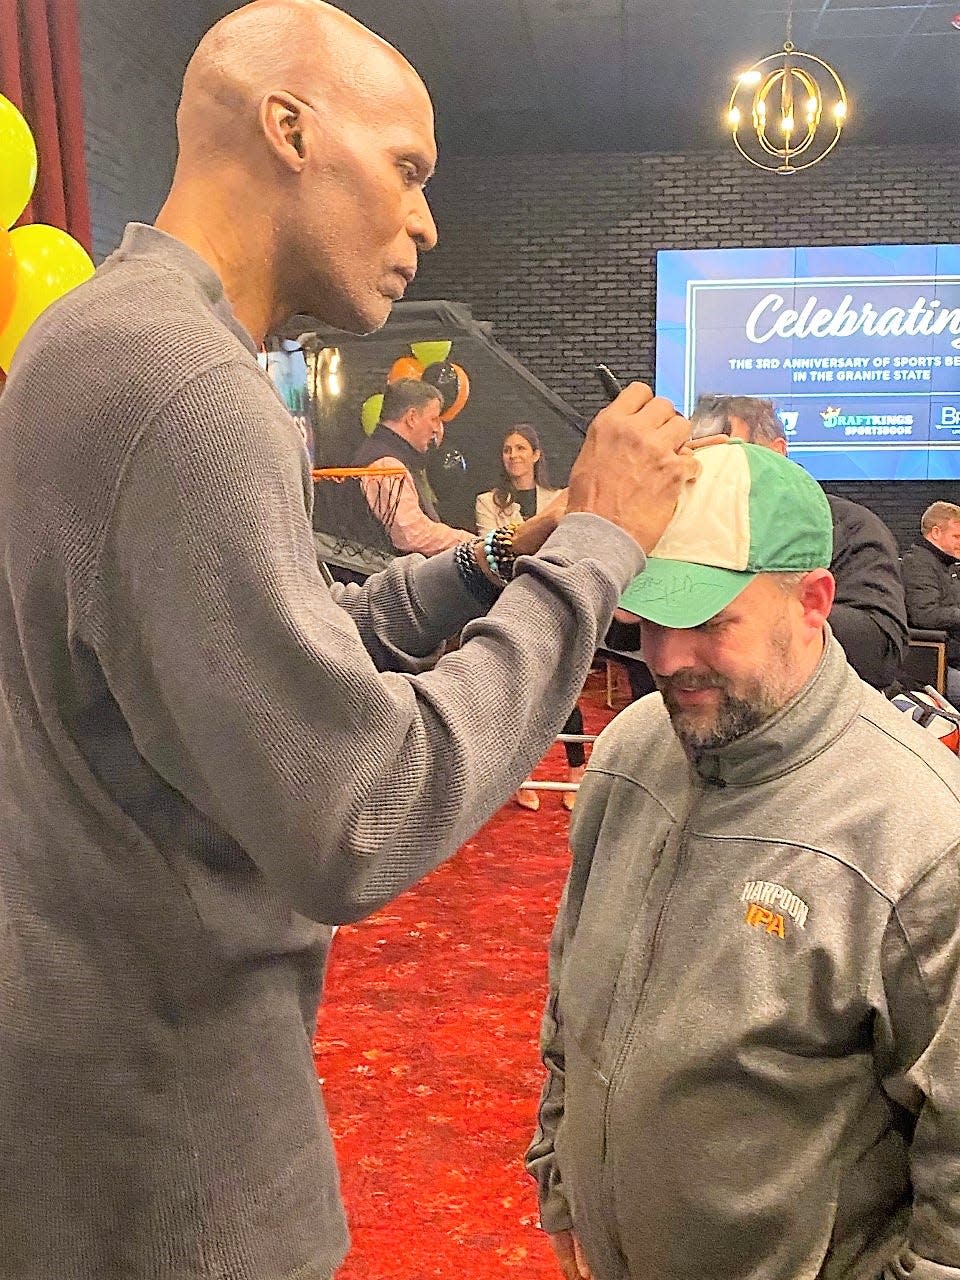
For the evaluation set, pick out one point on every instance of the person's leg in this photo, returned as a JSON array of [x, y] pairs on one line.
[[623, 638], [953, 686], [641, 681], [576, 755], [576, 764], [527, 799]]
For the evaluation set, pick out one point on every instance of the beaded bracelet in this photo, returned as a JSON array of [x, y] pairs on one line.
[[499, 554], [491, 558], [503, 548], [472, 576]]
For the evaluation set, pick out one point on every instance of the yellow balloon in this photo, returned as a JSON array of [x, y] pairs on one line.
[[49, 264], [18, 163]]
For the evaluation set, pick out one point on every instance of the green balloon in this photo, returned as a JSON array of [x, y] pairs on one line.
[[370, 412], [431, 352]]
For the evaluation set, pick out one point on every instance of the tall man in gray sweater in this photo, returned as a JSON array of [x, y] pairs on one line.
[[752, 1039], [208, 757]]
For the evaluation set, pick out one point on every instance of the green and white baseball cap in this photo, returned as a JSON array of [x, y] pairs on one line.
[[749, 511]]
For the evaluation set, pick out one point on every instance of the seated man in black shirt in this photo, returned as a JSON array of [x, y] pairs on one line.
[[931, 585]]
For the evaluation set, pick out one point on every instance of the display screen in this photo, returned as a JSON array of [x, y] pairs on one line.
[[858, 348], [288, 371]]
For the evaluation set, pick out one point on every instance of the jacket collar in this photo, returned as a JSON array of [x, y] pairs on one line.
[[943, 556], [399, 447], [385, 443], [807, 725]]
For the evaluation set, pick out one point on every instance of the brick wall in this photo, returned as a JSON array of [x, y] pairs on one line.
[[559, 252], [133, 56]]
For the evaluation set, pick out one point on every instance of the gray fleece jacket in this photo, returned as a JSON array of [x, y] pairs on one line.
[[752, 1037]]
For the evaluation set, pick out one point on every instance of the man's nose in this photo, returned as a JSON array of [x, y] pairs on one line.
[[667, 650], [421, 226]]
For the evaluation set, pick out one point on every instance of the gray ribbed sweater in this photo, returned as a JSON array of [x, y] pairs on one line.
[[203, 754]]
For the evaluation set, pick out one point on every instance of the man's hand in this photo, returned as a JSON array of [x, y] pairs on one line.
[[633, 464], [573, 1265], [530, 536]]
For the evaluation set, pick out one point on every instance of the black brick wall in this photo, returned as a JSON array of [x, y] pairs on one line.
[[559, 252], [133, 56]]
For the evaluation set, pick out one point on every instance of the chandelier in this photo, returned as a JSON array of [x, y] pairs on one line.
[[787, 111]]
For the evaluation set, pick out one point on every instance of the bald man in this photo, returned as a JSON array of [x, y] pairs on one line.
[[207, 757]]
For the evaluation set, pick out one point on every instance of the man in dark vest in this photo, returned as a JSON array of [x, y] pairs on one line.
[[409, 423]]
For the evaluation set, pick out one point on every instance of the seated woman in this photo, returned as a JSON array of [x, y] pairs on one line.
[[524, 490]]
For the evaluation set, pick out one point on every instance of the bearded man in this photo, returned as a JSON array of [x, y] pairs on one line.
[[752, 1031]]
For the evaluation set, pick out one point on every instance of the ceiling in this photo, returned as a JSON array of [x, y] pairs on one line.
[[655, 75]]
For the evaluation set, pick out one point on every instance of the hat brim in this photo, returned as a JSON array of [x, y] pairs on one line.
[[675, 593]]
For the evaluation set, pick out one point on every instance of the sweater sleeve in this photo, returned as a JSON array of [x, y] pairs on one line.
[[919, 1064], [406, 612], [250, 691]]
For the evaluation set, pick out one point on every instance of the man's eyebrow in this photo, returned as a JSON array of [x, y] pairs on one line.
[[722, 616]]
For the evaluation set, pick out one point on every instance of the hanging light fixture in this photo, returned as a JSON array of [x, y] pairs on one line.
[[788, 110]]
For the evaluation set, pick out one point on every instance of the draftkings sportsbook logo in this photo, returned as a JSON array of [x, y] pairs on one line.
[[770, 905], [867, 424]]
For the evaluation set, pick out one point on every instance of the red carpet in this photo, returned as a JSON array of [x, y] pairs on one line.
[[427, 1046]]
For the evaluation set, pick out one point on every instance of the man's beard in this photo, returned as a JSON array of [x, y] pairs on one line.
[[703, 729]]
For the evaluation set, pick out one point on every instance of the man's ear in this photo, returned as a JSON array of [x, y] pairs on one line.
[[282, 122], [817, 590], [779, 446]]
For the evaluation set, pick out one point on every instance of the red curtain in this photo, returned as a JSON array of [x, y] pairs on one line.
[[40, 74]]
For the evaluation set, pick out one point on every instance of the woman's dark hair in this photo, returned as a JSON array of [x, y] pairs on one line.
[[504, 495]]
